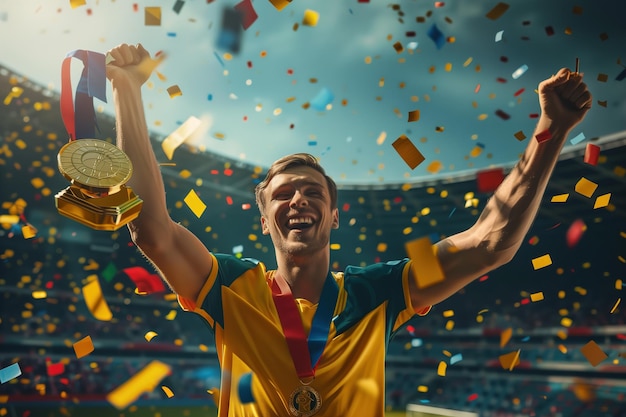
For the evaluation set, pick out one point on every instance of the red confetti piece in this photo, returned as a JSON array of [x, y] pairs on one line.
[[229, 200], [533, 115], [346, 206], [477, 89], [488, 180], [483, 278], [549, 30], [525, 301], [55, 369], [518, 92], [501, 80], [146, 282], [543, 136], [592, 153], [472, 397], [575, 233], [228, 172]]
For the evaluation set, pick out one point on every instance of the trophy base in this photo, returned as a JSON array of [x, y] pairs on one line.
[[103, 213]]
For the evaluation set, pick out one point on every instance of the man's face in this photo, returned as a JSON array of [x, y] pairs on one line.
[[298, 215]]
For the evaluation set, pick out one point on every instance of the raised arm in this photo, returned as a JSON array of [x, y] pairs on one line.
[[181, 258], [500, 229]]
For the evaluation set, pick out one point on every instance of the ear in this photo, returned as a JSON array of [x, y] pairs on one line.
[[335, 224], [264, 229]]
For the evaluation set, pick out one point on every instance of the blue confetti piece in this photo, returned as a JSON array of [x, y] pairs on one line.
[[577, 139], [10, 372], [210, 97], [322, 99], [456, 359], [499, 36], [244, 388], [621, 75], [526, 339], [519, 72], [312, 143], [437, 36], [219, 58], [171, 34]]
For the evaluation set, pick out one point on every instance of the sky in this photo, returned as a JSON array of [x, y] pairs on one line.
[[377, 61]]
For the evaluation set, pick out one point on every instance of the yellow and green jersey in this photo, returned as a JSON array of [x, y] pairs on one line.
[[258, 377]]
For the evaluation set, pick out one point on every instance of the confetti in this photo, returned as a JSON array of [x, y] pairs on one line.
[[538, 296], [425, 263], [77, 3], [497, 11], [231, 31], [499, 35], [414, 115], [560, 198], [510, 360], [179, 136], [83, 347], [543, 136], [323, 98], [505, 336], [146, 282], [575, 232], [488, 181], [408, 152], [167, 391], [441, 368], [174, 91], [519, 72], [602, 201], [152, 16], [577, 139], [280, 4], [585, 187], [195, 204], [150, 335], [96, 303], [311, 17], [10, 372], [593, 353], [142, 382], [592, 153], [249, 15], [542, 262], [437, 36], [619, 300]]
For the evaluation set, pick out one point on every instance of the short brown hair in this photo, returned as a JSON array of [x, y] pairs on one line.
[[292, 161]]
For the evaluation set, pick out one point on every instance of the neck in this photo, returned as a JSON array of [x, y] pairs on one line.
[[305, 274]]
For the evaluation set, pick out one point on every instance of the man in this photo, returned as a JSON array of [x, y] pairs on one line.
[[299, 340]]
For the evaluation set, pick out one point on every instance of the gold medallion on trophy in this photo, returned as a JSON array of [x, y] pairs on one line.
[[97, 197]]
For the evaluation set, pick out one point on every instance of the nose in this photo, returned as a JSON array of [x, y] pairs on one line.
[[298, 200]]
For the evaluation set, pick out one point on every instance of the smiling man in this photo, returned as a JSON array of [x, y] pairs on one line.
[[302, 340]]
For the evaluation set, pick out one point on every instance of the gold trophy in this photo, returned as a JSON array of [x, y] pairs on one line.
[[97, 197]]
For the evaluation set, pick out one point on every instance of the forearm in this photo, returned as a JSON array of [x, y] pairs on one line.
[[509, 213], [133, 138]]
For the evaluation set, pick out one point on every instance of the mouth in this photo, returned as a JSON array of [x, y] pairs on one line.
[[300, 223]]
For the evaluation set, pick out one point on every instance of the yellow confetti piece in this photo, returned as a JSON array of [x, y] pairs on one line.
[[448, 313], [152, 16], [167, 391], [195, 204], [171, 315], [179, 136], [619, 300], [38, 295], [142, 382], [408, 152], [77, 3], [422, 388], [381, 247], [9, 219], [174, 91], [618, 284], [28, 231], [561, 334], [381, 138], [425, 263], [561, 198], [510, 360], [150, 335], [562, 348], [441, 369], [593, 353], [505, 336], [311, 17], [450, 325], [602, 201], [83, 347], [542, 262], [37, 183], [566, 322], [96, 303], [520, 135], [585, 187], [538, 296], [414, 115]]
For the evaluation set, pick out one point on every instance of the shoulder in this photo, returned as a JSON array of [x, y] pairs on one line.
[[230, 267]]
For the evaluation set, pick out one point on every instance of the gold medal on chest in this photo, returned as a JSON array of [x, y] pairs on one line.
[[97, 197], [305, 401]]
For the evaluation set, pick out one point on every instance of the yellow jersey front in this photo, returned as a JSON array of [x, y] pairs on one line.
[[258, 377]]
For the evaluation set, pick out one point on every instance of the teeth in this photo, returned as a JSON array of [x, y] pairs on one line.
[[299, 220]]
